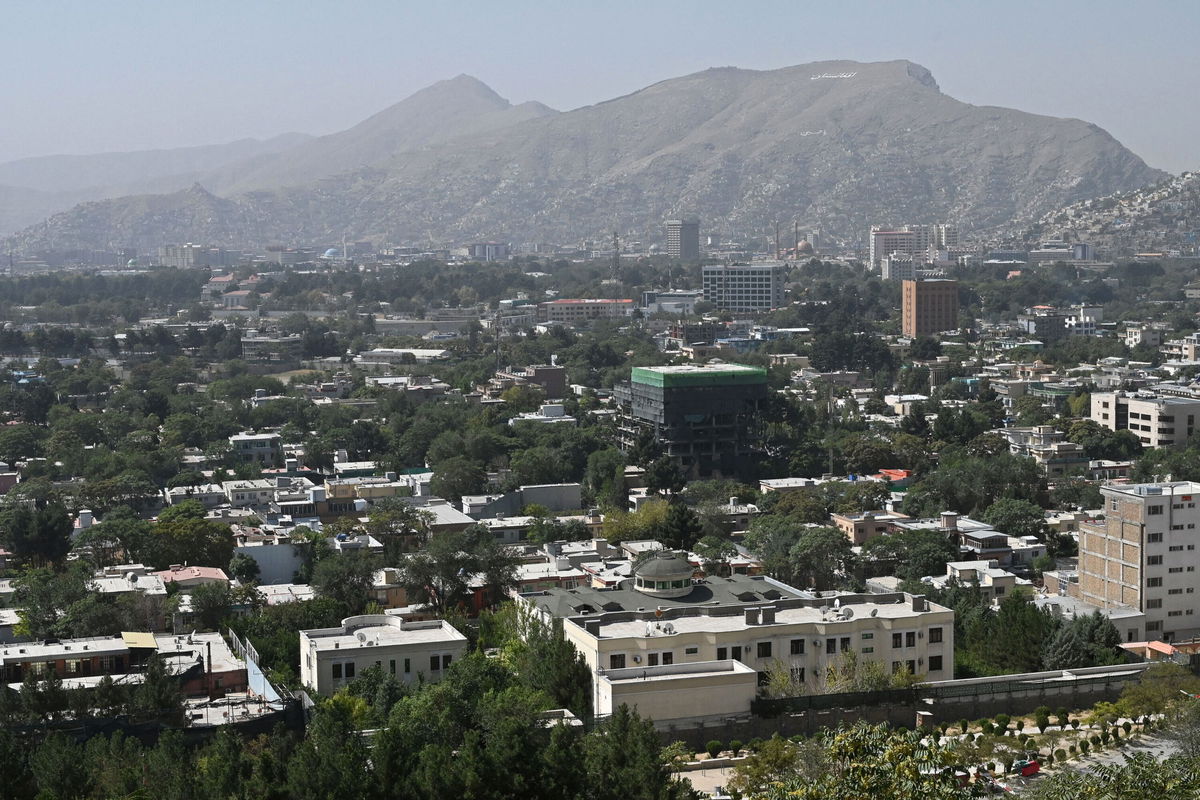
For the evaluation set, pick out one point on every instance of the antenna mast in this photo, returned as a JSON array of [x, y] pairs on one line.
[[616, 261]]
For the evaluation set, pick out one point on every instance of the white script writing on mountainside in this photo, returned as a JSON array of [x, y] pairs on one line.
[[833, 75]]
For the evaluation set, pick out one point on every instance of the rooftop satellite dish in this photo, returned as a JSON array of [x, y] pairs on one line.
[[847, 613], [874, 612]]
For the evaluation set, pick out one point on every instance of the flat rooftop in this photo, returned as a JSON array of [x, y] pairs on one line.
[[1156, 489], [381, 630]]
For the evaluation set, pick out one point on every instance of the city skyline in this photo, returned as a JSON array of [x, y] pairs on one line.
[[273, 68]]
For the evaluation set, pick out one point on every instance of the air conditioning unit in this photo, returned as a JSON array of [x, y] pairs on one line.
[[637, 659]]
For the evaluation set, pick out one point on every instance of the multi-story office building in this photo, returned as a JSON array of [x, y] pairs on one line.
[[263, 448], [929, 306], [913, 240], [705, 417], [1158, 421], [1143, 554], [487, 251], [744, 287], [409, 651], [583, 310], [683, 239], [664, 617]]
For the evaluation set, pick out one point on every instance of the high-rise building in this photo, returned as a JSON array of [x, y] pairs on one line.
[[913, 240], [704, 417], [930, 306], [683, 239], [1143, 555], [744, 287]]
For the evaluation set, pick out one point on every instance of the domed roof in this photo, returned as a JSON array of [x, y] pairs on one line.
[[804, 247], [331, 253], [664, 565]]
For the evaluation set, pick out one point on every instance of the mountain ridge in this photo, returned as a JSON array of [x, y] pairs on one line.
[[835, 145]]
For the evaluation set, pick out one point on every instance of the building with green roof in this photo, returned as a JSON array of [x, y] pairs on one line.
[[705, 417]]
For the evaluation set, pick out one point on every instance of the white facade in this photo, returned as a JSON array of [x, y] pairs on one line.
[[1157, 421], [410, 651], [744, 287]]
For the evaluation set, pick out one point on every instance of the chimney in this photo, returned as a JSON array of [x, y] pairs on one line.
[[752, 616], [768, 615], [919, 603]]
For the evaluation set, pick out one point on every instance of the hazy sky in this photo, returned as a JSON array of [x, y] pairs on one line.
[[81, 77]]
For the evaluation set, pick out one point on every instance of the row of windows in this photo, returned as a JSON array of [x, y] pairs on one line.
[[346, 669], [796, 647]]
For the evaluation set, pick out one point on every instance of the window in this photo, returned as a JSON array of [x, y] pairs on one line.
[[407, 666], [844, 644], [895, 667], [1174, 613], [830, 646], [1174, 569], [616, 661], [797, 647], [652, 659], [337, 671], [1154, 511], [868, 636], [1112, 505], [1175, 548], [935, 635], [72, 666], [349, 669], [1154, 582], [897, 640], [392, 666], [668, 658], [691, 651], [1154, 603], [999, 591], [722, 653], [1156, 625], [1153, 538], [1153, 561], [435, 663], [912, 666], [868, 649], [764, 649], [910, 639], [935, 663], [1174, 591], [798, 674], [446, 661]]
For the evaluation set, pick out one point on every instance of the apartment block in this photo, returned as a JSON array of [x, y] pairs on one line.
[[1143, 554], [583, 310], [1157, 421]]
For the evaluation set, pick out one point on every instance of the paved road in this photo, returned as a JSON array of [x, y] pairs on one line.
[[707, 780]]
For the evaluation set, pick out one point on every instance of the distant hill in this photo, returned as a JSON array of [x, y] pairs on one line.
[[834, 145], [33, 188], [1158, 218]]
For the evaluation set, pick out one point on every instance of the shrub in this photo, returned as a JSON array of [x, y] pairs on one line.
[[736, 746], [1042, 722], [1060, 755], [1094, 739], [985, 726], [755, 745], [1061, 715], [1127, 726], [962, 723], [714, 748], [1104, 737], [1084, 746], [1003, 719], [1047, 759], [1075, 724], [1042, 711], [1073, 749]]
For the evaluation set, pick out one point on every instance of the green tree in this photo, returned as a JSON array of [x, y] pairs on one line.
[[332, 761], [681, 529], [244, 568], [211, 603], [1016, 518], [346, 579], [622, 761]]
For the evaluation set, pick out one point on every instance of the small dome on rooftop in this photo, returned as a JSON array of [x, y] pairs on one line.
[[665, 574]]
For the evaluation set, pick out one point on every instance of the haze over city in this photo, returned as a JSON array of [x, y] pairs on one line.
[[127, 75]]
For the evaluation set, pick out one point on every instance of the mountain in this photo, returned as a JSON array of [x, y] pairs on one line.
[[1162, 217], [31, 189], [835, 145], [445, 111]]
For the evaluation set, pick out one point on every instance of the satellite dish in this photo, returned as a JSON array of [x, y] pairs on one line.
[[874, 612], [837, 603], [847, 613]]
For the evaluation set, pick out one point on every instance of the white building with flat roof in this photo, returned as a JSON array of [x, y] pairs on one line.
[[410, 651]]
